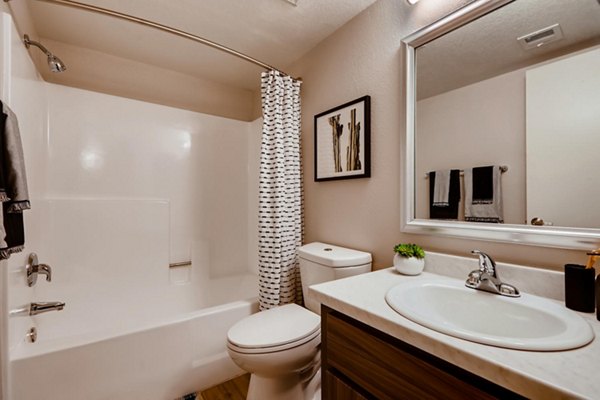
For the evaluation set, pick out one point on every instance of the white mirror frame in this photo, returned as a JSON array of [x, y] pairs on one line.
[[568, 238]]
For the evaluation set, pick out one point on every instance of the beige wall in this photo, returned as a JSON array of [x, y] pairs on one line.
[[364, 58]]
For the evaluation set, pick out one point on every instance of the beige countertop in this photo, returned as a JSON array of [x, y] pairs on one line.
[[539, 375]]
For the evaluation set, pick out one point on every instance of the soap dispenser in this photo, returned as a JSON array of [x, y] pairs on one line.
[[582, 287], [593, 256], [598, 297]]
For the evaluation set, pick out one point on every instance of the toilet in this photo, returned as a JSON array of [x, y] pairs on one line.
[[280, 346]]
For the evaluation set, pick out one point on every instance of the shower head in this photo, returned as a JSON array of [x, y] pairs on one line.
[[54, 63]]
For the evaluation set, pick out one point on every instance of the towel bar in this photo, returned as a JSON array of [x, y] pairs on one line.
[[503, 168]]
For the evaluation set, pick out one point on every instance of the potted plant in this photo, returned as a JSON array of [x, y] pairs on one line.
[[409, 259]]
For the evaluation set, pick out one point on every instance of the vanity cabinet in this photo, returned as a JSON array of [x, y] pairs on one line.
[[360, 362]]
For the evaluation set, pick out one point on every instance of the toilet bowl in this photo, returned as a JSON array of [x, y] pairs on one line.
[[280, 346]]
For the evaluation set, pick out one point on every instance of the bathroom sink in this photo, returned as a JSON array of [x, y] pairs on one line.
[[525, 323]]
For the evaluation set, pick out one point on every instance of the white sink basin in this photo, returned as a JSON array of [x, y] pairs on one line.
[[526, 323]]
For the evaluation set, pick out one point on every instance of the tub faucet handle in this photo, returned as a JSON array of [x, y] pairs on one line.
[[33, 269]]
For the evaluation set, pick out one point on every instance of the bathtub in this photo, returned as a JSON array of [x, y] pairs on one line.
[[133, 327], [159, 361]]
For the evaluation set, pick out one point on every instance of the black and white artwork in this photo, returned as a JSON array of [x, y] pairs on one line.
[[342, 148]]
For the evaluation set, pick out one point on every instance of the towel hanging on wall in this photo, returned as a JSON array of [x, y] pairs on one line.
[[13, 185], [444, 194], [483, 194]]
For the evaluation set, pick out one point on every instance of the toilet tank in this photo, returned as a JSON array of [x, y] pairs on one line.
[[321, 262]]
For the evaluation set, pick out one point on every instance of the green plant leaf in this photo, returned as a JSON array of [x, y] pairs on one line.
[[408, 250]]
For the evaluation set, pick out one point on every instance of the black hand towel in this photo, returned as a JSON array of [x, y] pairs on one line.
[[480, 204], [451, 210], [483, 185]]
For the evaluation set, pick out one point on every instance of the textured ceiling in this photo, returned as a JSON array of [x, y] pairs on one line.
[[488, 46], [273, 31]]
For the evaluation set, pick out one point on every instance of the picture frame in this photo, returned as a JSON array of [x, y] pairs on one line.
[[342, 141]]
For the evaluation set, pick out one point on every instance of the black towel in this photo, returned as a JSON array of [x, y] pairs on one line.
[[14, 197], [451, 210], [483, 185], [15, 232]]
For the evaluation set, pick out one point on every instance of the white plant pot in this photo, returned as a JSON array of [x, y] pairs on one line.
[[408, 266]]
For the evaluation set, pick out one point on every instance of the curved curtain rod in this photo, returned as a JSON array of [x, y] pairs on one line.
[[164, 28]]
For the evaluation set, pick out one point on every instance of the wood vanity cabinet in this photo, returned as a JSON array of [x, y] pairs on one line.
[[360, 362]]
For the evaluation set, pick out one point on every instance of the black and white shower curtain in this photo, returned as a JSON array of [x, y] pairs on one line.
[[280, 212]]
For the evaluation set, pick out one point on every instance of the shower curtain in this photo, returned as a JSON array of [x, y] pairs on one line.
[[280, 214]]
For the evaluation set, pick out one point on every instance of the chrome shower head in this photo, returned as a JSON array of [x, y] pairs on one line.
[[54, 63]]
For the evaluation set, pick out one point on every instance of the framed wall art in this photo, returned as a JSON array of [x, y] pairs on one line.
[[342, 141]]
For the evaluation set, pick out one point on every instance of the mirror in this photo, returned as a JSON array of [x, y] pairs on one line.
[[512, 84]]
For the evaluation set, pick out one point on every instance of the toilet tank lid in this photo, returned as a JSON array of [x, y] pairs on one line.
[[333, 256]]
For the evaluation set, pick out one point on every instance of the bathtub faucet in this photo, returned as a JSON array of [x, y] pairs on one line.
[[42, 307]]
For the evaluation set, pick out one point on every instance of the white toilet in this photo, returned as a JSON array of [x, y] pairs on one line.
[[280, 346]]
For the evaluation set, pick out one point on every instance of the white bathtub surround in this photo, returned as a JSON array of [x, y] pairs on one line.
[[547, 375], [280, 196], [121, 188], [103, 146]]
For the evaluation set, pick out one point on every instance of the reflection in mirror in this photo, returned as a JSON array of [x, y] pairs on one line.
[[472, 86], [518, 87]]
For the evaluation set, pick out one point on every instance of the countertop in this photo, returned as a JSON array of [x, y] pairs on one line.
[[539, 375]]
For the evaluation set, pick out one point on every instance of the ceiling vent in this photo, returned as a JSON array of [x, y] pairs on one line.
[[541, 37]]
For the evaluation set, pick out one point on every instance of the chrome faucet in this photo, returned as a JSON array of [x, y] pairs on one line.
[[486, 278], [37, 308], [42, 307], [34, 269]]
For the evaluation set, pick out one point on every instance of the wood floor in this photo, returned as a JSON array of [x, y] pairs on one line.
[[235, 389]]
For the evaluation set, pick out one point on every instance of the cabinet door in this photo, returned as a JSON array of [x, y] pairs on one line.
[[386, 368], [337, 389]]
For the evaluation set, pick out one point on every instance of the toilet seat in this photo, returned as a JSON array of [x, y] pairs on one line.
[[273, 330]]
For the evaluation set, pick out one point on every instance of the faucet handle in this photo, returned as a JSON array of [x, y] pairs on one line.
[[46, 270], [486, 263], [33, 268]]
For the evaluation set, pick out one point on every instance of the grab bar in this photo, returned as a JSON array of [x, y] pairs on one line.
[[180, 264]]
